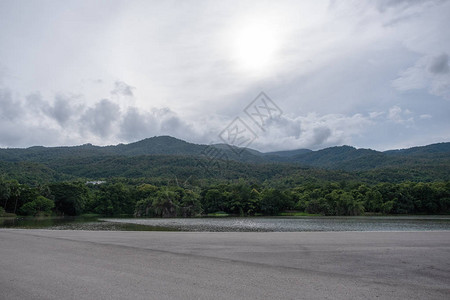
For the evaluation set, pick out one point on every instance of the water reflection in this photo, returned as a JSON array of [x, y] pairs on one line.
[[415, 223], [402, 223], [75, 223]]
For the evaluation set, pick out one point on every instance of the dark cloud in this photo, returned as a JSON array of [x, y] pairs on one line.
[[321, 134], [383, 5], [121, 88], [172, 124], [9, 108], [136, 125], [62, 110], [100, 118], [36, 103], [439, 64], [9, 135]]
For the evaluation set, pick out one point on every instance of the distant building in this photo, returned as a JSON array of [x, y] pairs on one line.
[[95, 182]]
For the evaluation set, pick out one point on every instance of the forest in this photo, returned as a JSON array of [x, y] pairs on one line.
[[240, 198], [167, 177]]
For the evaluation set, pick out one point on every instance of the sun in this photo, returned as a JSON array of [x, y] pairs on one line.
[[255, 45]]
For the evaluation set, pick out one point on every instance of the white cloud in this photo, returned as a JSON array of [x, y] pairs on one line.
[[425, 116], [375, 114], [399, 115]]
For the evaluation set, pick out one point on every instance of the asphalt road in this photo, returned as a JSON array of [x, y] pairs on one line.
[[45, 264]]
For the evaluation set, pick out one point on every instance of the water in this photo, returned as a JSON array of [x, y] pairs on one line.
[[256, 224], [75, 223], [408, 223]]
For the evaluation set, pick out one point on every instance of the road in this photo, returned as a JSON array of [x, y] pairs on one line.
[[60, 264]]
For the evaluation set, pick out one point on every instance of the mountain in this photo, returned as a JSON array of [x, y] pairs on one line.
[[340, 158], [285, 156], [158, 145], [351, 159], [438, 148], [164, 155]]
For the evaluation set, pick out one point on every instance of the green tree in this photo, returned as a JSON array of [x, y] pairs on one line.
[[114, 199], [319, 206], [144, 207], [5, 192], [190, 204], [273, 201], [39, 206], [213, 200], [373, 201], [70, 198], [165, 203]]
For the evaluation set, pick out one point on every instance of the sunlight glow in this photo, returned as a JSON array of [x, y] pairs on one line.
[[255, 46]]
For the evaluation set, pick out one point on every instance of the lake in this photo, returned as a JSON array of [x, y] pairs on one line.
[[227, 224], [404, 223], [75, 223]]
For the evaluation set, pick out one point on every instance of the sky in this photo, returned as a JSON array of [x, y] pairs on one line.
[[370, 74]]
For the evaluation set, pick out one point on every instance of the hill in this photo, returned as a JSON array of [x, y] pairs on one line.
[[165, 156], [160, 145]]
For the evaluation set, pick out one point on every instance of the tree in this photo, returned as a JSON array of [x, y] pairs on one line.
[[144, 207], [5, 192], [373, 201], [273, 201], [213, 201], [190, 204], [165, 203], [39, 206], [318, 206], [70, 198]]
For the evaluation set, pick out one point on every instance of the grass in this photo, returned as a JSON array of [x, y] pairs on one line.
[[89, 215], [218, 214], [7, 215]]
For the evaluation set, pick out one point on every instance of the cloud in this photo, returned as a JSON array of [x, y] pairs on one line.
[[121, 88], [3, 72], [425, 116], [10, 109], [400, 116], [321, 134], [311, 131], [375, 114], [430, 72], [62, 110], [101, 118], [339, 72], [384, 5], [136, 125], [439, 64], [64, 122]]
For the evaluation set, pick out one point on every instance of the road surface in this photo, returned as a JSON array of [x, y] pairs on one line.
[[60, 264]]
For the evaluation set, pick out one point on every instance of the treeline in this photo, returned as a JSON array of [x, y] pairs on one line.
[[205, 169], [236, 198]]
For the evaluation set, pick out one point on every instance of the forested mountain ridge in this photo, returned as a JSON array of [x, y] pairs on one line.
[[161, 145], [352, 159], [173, 146], [166, 156], [339, 157], [164, 176]]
